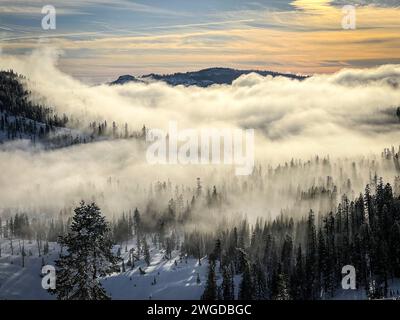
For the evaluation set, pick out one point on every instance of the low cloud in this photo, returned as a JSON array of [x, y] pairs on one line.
[[349, 113]]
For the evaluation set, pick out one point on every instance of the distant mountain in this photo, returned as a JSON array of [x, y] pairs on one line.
[[202, 78], [125, 79]]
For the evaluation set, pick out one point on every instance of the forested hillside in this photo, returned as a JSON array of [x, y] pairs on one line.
[[20, 118], [283, 232]]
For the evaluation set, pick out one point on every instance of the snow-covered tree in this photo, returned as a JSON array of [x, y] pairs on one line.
[[210, 291], [88, 256], [146, 251]]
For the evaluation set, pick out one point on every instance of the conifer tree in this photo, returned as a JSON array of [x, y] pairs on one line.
[[311, 257], [259, 283], [210, 291], [298, 277], [146, 251], [227, 284], [137, 226], [88, 256], [246, 289], [283, 287]]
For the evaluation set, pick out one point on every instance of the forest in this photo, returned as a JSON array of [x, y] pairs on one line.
[[282, 233], [282, 258]]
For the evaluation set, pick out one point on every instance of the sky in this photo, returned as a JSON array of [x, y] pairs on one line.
[[98, 40]]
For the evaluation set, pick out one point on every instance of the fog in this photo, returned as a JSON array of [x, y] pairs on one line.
[[347, 115]]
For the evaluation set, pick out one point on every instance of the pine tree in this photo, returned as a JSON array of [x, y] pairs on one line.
[[46, 248], [217, 250], [246, 289], [283, 288], [210, 291], [286, 256], [146, 251], [322, 262], [88, 256], [260, 283], [137, 226], [168, 248], [311, 262], [227, 284], [23, 254], [298, 277]]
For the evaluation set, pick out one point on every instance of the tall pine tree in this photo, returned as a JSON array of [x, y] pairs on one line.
[[88, 256]]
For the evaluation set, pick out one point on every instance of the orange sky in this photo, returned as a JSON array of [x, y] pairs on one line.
[[308, 38]]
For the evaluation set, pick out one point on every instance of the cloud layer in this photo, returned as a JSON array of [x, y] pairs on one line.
[[351, 105], [347, 114]]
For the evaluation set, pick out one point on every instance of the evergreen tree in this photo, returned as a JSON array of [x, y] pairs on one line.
[[210, 291], [227, 284], [286, 256], [137, 226], [298, 277], [146, 251], [246, 289], [283, 288], [322, 263], [311, 256], [88, 256], [259, 283]]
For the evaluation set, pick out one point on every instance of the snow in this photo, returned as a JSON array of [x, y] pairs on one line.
[[173, 282], [17, 282], [360, 294], [176, 282]]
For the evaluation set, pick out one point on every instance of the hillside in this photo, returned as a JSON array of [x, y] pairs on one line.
[[202, 78]]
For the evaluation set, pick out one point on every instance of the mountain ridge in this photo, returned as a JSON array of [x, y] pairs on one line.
[[202, 78]]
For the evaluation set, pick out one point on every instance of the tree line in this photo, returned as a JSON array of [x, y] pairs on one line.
[[283, 259]]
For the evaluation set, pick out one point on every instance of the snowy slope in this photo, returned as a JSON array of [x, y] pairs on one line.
[[173, 282], [17, 282], [360, 294]]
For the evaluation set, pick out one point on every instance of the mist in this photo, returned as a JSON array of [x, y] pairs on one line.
[[347, 117]]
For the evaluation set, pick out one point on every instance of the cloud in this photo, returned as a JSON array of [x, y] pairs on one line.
[[346, 114], [193, 36], [377, 3], [74, 7], [281, 108]]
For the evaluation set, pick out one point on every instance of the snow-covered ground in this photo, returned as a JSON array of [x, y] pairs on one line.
[[176, 281], [173, 281], [361, 294], [17, 282]]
